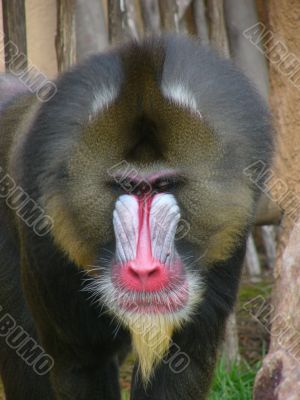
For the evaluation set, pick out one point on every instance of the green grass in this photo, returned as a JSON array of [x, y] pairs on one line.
[[237, 384]]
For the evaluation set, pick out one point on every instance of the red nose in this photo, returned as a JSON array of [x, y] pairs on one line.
[[144, 276]]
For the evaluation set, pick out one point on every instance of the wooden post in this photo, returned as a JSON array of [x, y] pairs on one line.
[[183, 6], [91, 30], [239, 17], [121, 21], [169, 15], [199, 9], [217, 26], [268, 234], [252, 260], [65, 40], [151, 16], [115, 21], [2, 61], [14, 26]]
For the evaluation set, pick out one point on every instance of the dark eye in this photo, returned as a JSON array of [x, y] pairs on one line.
[[123, 186], [119, 187], [163, 185], [113, 186], [167, 184]]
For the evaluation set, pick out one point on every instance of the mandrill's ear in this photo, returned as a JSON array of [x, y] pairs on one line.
[[10, 87]]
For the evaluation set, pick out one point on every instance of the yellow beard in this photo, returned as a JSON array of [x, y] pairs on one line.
[[151, 337]]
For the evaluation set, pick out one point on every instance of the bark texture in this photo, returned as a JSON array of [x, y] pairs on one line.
[[65, 40], [279, 377]]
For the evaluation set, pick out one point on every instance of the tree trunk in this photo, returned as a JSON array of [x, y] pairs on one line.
[[279, 376]]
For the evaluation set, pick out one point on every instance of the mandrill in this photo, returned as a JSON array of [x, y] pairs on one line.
[[124, 214]]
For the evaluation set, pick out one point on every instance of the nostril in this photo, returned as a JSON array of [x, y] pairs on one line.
[[144, 275], [133, 273], [154, 273]]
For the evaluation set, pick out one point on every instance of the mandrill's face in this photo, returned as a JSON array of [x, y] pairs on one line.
[[148, 229], [145, 156], [127, 200]]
